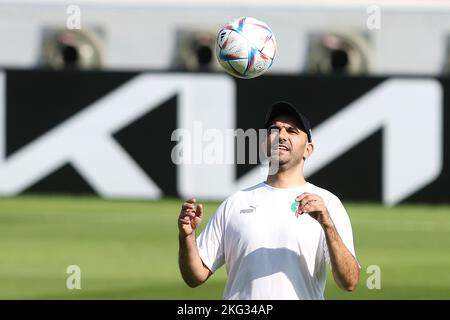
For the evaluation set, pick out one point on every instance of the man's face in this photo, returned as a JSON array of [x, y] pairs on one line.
[[287, 141]]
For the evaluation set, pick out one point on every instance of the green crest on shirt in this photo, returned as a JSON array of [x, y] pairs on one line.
[[294, 206]]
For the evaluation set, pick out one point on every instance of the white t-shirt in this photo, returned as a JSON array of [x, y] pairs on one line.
[[270, 253]]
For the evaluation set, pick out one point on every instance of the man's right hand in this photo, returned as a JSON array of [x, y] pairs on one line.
[[190, 217]]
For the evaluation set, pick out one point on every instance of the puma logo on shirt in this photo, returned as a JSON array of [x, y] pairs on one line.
[[250, 210]]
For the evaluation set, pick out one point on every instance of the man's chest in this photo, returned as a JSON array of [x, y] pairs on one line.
[[271, 223]]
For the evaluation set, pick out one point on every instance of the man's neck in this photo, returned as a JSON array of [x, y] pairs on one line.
[[287, 178]]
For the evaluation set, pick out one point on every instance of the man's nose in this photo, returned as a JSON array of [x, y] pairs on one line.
[[282, 134]]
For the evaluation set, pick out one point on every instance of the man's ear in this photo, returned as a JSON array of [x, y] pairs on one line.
[[308, 150]]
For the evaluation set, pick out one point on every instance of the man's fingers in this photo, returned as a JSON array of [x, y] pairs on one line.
[[298, 211], [311, 208], [304, 195], [187, 205], [308, 198], [191, 200], [301, 196], [307, 195], [187, 213], [199, 210], [305, 201], [184, 221], [306, 208]]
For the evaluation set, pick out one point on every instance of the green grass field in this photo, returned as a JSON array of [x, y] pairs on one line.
[[128, 250]]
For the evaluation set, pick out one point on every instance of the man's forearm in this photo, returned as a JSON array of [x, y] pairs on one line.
[[192, 269], [344, 265]]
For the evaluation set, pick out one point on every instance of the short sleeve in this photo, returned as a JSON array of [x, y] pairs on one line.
[[342, 223], [210, 241]]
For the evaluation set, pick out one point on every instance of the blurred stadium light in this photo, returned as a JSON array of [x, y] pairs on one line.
[[72, 49], [333, 53], [195, 51], [144, 34]]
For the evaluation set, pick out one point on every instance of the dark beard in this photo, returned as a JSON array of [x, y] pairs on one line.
[[285, 164]]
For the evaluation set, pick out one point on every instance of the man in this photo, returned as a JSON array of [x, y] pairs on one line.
[[276, 237]]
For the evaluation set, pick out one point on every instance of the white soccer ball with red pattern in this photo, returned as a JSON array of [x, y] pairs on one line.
[[246, 47]]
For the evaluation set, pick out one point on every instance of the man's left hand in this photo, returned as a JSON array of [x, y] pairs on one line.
[[313, 205]]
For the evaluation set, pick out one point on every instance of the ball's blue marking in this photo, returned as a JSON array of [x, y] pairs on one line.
[[224, 57], [241, 24], [251, 58]]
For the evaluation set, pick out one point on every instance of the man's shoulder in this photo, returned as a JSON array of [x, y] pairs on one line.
[[244, 193], [327, 195], [239, 198]]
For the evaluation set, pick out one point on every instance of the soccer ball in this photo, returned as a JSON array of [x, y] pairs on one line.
[[246, 47]]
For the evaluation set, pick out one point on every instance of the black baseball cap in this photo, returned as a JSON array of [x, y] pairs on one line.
[[283, 107]]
